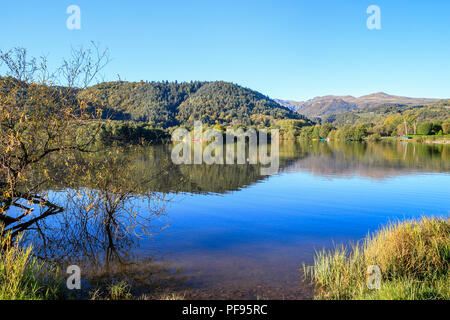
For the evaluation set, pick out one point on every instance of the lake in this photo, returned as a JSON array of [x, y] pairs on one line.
[[227, 232]]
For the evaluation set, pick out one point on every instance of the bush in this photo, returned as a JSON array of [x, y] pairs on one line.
[[437, 127], [374, 138], [425, 128], [446, 128]]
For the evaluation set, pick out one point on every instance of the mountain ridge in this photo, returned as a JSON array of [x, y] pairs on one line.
[[332, 104]]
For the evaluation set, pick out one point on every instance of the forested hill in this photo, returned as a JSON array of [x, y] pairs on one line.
[[168, 104]]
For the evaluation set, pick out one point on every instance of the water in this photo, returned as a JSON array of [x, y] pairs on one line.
[[228, 232]]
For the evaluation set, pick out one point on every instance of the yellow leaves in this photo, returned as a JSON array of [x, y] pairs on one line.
[[99, 112], [6, 194], [11, 142], [89, 207]]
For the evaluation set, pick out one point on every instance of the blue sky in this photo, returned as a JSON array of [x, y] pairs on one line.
[[285, 49]]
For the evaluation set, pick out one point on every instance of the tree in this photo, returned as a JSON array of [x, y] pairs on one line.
[[446, 128], [325, 130], [424, 128], [40, 116], [392, 122], [359, 132], [316, 132], [437, 127], [404, 130]]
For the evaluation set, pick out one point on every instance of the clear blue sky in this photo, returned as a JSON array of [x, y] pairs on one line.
[[285, 49]]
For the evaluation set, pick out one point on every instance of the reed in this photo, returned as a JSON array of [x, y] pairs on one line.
[[413, 256], [22, 276]]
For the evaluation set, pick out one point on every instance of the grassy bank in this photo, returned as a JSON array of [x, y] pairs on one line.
[[22, 277], [413, 256], [438, 139]]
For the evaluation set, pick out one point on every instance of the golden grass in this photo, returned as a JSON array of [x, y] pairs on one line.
[[22, 277], [414, 258]]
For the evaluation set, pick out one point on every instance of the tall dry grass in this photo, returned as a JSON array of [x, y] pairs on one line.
[[414, 258]]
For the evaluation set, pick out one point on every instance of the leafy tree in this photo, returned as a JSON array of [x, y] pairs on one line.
[[38, 117], [325, 130], [359, 132], [424, 128], [446, 128], [437, 127], [316, 132]]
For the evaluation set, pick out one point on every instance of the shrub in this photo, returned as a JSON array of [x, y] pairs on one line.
[[437, 126], [374, 138], [446, 128], [425, 128]]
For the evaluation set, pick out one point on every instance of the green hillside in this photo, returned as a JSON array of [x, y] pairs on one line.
[[169, 104]]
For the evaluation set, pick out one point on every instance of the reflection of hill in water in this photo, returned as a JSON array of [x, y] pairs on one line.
[[195, 178], [376, 161], [152, 169]]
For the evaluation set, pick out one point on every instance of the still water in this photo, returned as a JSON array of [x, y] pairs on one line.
[[228, 233]]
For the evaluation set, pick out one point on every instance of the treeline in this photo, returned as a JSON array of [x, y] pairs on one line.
[[375, 123], [378, 114], [304, 129], [392, 127], [133, 112], [147, 111], [124, 133]]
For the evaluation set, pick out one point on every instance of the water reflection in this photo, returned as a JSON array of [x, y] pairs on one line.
[[104, 211], [152, 170], [100, 231], [224, 230], [376, 160]]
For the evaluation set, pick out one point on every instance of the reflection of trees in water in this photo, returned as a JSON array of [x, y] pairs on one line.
[[99, 227], [375, 160], [195, 178], [100, 231], [152, 169]]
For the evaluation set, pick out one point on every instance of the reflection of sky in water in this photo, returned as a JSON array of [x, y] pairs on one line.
[[261, 234], [296, 207], [264, 233]]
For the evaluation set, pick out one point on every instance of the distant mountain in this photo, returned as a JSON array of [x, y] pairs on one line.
[[328, 105], [169, 104]]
